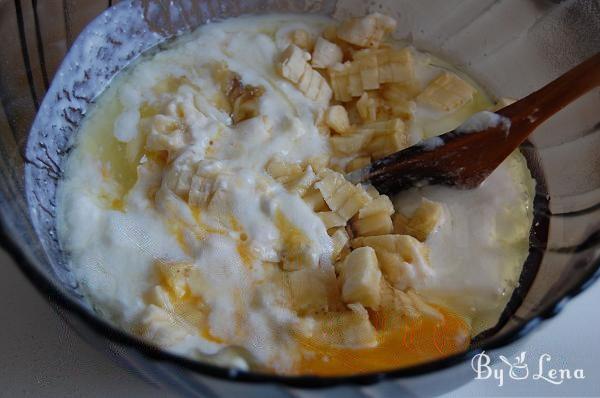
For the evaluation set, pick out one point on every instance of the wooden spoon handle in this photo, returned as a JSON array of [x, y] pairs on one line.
[[465, 159], [533, 110]]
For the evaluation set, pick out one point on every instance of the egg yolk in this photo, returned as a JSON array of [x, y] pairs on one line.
[[412, 342]]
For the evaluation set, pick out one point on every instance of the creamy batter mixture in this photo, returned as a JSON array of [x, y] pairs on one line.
[[205, 209]]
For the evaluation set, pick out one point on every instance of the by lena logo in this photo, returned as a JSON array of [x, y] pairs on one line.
[[518, 369]]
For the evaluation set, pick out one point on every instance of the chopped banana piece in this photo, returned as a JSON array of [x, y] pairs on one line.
[[446, 93], [339, 76], [380, 147], [406, 246], [405, 110], [330, 182], [360, 276], [317, 162], [201, 191], [336, 117], [294, 66], [340, 240], [166, 134], [331, 219], [354, 203], [293, 63], [397, 304], [355, 86], [350, 144], [300, 184], [387, 65], [160, 297], [367, 108], [308, 290], [283, 171], [314, 199], [399, 272], [402, 258], [400, 65], [381, 128], [302, 39], [367, 31], [379, 204], [174, 276], [240, 101], [372, 191], [326, 54], [376, 224], [178, 178], [296, 257], [341, 196], [358, 163], [400, 91], [368, 68], [428, 216], [163, 327], [422, 307], [346, 329]]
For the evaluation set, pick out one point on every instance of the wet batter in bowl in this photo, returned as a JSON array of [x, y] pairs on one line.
[[205, 207]]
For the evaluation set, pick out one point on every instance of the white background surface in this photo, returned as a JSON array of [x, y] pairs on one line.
[[42, 357]]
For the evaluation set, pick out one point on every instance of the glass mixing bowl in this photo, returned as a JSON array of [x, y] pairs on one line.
[[510, 47]]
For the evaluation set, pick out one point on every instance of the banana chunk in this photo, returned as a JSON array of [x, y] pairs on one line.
[[341, 196], [336, 117], [308, 290], [402, 258], [201, 190], [314, 199], [367, 108], [397, 304], [294, 67], [174, 277], [326, 54], [331, 219], [425, 220], [379, 204], [350, 144], [360, 276], [160, 298], [345, 329], [376, 224], [367, 31], [178, 177], [446, 93], [283, 171], [163, 327], [294, 62], [383, 137], [166, 134], [340, 240], [300, 184]]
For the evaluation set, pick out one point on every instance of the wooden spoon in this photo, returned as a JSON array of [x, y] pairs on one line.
[[466, 156]]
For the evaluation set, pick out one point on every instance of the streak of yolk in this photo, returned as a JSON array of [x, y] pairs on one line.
[[190, 307], [293, 239], [413, 342], [243, 248]]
